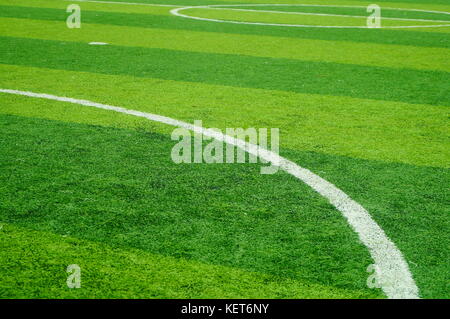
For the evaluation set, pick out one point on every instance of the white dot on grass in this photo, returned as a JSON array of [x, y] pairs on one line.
[[98, 43]]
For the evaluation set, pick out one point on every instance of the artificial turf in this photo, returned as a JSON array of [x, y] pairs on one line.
[[428, 37], [365, 109]]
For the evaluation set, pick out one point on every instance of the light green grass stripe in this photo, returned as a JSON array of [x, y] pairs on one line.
[[34, 266], [360, 128], [396, 56]]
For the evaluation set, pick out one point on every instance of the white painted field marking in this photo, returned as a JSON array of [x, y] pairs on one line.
[[180, 8], [394, 277], [323, 14], [98, 43], [176, 12]]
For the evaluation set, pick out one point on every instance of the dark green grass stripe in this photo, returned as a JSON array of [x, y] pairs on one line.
[[412, 86], [424, 39]]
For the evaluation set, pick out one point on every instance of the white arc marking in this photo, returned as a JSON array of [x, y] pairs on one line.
[[394, 277], [98, 43], [177, 12], [321, 14]]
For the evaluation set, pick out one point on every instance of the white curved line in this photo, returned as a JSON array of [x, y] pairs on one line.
[[394, 275], [324, 14], [314, 5], [176, 12]]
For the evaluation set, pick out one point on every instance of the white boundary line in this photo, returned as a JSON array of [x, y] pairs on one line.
[[394, 275], [176, 12]]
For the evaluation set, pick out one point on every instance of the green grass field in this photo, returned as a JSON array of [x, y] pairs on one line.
[[365, 109]]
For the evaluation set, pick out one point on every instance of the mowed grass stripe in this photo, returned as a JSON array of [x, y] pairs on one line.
[[370, 129], [130, 273], [395, 56], [411, 86], [430, 38]]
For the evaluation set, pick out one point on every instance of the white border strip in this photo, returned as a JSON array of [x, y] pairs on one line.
[[394, 275]]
